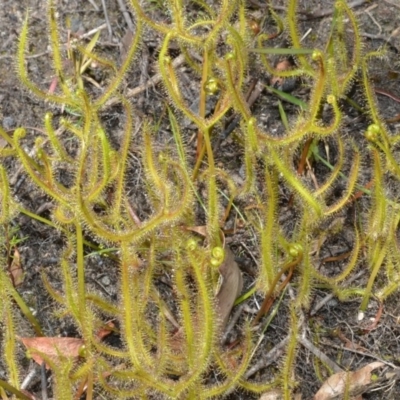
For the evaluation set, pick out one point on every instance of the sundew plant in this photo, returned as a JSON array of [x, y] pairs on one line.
[[188, 359]]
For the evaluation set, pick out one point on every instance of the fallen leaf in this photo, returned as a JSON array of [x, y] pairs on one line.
[[17, 274], [201, 230], [335, 386], [53, 347], [126, 43], [105, 330], [232, 284]]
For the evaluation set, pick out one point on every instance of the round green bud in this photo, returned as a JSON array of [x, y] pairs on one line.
[[82, 351], [316, 55], [252, 122], [331, 99], [211, 86], [372, 133], [295, 250], [230, 56], [167, 59]]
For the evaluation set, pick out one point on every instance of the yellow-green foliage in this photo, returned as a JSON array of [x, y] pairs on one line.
[[152, 359]]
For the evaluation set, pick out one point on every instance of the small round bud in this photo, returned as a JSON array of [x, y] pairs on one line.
[[252, 122], [372, 133], [316, 55], [167, 59], [82, 351], [211, 86], [162, 158], [295, 250], [229, 56], [331, 99]]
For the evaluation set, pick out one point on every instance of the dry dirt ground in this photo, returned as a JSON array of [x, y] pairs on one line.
[[41, 245]]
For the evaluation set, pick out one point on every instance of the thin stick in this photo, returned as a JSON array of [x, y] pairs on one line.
[[103, 2], [94, 5], [319, 354], [151, 82], [330, 296], [126, 15]]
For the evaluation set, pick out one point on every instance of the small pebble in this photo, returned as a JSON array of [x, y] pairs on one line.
[[105, 280], [8, 123]]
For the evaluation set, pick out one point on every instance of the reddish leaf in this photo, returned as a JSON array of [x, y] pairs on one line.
[[201, 230], [105, 330], [53, 347]]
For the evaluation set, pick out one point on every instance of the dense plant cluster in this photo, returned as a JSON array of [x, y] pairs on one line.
[[156, 358]]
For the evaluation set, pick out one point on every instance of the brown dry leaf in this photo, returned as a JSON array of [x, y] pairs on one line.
[[53, 347], [335, 386], [231, 286], [126, 44], [105, 330], [201, 230], [16, 271]]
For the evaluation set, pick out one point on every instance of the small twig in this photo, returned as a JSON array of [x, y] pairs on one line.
[[387, 94], [31, 378], [383, 37], [392, 4], [374, 20], [84, 36], [151, 82], [103, 2], [362, 353], [126, 15], [376, 320], [43, 381], [95, 6], [326, 13], [319, 354], [329, 297], [270, 358], [233, 319]]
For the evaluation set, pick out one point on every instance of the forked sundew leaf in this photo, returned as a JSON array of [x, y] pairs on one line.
[[338, 384], [231, 286], [53, 347]]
